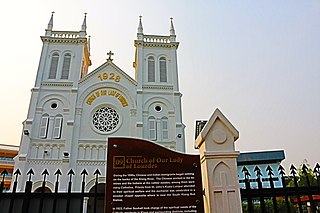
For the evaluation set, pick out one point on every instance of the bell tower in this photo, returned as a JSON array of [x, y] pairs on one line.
[[48, 130], [65, 55], [158, 95]]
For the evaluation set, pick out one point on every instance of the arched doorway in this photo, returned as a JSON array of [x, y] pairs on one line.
[[39, 190], [100, 200]]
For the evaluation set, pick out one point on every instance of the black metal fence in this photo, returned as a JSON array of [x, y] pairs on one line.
[[300, 191], [49, 202]]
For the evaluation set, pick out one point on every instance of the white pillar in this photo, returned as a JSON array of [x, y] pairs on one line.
[[218, 165], [85, 204]]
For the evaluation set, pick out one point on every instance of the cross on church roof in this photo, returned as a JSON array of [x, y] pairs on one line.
[[110, 54]]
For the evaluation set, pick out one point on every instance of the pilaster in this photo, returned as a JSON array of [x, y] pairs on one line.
[[218, 165]]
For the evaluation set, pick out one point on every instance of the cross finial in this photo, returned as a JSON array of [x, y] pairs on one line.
[[110, 54]]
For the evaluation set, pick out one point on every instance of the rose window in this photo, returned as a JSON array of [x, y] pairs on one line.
[[105, 119]]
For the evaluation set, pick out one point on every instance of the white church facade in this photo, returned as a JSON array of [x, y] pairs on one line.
[[72, 112]]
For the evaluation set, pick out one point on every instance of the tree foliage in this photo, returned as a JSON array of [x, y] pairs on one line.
[[302, 176], [281, 204]]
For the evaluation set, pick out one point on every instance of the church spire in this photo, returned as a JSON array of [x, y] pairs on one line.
[[172, 31], [83, 32], [50, 25], [84, 24], [140, 29]]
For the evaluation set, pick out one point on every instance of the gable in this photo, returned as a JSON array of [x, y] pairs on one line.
[[107, 72], [107, 80]]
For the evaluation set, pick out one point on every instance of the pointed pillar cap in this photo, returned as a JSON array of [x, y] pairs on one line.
[[84, 24], [219, 136], [140, 28], [172, 31], [50, 24]]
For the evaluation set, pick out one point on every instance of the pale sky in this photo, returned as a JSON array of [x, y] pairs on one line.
[[257, 61]]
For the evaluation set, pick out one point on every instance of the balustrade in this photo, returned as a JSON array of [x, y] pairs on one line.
[[156, 39], [65, 34]]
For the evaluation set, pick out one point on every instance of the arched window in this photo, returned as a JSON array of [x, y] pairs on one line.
[[163, 69], [151, 69], [44, 123], [152, 128], [57, 127], [164, 128], [54, 66], [66, 66]]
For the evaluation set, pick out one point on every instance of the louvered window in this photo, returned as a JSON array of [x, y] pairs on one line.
[[57, 127], [152, 129], [44, 126], [151, 70], [66, 66], [163, 69], [164, 122], [54, 66]]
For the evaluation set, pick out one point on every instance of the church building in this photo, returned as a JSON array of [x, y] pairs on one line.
[[73, 112]]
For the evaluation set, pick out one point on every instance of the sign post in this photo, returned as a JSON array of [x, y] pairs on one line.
[[145, 177]]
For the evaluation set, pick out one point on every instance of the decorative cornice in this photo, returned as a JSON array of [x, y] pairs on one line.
[[99, 142], [218, 155], [91, 162], [63, 40], [158, 87], [161, 45], [44, 161], [154, 44], [49, 142], [57, 84]]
